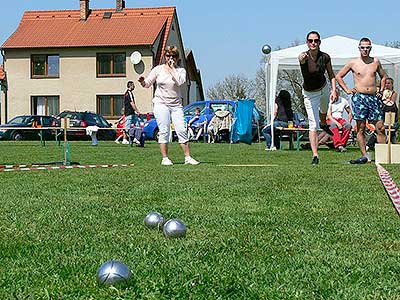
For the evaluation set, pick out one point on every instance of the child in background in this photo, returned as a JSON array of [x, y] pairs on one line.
[[196, 125], [120, 132]]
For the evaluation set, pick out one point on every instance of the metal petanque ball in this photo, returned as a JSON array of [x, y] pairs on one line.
[[154, 220], [266, 49], [113, 272], [174, 228]]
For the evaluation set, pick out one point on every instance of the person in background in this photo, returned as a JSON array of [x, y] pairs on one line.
[[365, 96], [324, 139], [131, 110], [120, 132], [314, 64], [283, 115], [196, 125], [390, 103], [340, 127], [168, 103], [220, 123]]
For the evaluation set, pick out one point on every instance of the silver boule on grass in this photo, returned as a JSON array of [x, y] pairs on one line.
[[113, 272], [154, 220], [174, 228]]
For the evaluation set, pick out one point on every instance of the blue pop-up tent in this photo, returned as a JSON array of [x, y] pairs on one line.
[[241, 130]]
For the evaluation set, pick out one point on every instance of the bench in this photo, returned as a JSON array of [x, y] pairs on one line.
[[288, 132]]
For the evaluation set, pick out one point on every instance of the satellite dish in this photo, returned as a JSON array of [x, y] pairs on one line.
[[136, 57]]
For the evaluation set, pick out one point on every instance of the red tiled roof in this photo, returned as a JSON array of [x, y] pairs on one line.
[[132, 26], [2, 74]]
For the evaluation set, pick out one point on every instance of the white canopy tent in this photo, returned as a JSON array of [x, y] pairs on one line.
[[341, 49]]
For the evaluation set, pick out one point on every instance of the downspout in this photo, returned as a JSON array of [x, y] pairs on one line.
[[4, 87], [154, 59], [188, 91]]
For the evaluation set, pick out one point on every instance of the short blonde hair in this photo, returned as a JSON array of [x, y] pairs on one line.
[[172, 50]]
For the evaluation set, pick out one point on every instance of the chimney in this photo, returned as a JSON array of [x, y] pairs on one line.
[[120, 5], [84, 9]]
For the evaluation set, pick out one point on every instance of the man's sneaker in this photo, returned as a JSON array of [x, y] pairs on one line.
[[191, 161], [315, 160], [325, 127], [342, 149], [135, 140], [125, 142], [166, 162], [359, 161], [369, 157]]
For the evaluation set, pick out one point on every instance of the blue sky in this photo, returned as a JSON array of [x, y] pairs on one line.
[[226, 36]]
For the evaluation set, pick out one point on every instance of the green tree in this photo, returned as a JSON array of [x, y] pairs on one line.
[[232, 87], [290, 80]]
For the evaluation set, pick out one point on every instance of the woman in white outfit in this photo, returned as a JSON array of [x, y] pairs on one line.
[[167, 103]]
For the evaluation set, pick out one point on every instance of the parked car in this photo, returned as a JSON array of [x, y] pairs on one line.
[[299, 120], [208, 109], [17, 133], [146, 117], [85, 119]]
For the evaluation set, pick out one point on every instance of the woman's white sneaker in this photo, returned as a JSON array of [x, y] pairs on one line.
[[191, 161], [166, 162]]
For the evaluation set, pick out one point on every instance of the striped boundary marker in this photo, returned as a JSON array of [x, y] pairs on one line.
[[10, 168], [390, 186]]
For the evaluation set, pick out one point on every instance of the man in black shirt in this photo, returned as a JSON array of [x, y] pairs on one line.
[[131, 110]]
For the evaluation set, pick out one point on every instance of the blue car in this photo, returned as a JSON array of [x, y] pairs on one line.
[[208, 108]]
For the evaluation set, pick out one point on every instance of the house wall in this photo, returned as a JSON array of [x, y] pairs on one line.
[[174, 38], [77, 84]]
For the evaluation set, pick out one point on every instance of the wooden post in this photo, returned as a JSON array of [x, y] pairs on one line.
[[389, 120], [65, 140]]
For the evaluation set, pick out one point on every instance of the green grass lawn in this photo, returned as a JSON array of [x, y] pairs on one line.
[[286, 231]]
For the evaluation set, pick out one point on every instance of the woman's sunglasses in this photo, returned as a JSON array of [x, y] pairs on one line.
[[170, 55], [313, 41]]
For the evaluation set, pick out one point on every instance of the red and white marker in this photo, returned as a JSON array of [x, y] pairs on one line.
[[391, 188], [10, 168]]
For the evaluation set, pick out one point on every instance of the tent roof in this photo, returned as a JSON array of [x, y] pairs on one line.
[[341, 49]]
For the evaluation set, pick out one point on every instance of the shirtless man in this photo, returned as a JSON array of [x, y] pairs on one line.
[[365, 102]]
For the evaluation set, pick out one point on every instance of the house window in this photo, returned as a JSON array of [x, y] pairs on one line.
[[44, 66], [110, 106], [111, 64], [45, 105]]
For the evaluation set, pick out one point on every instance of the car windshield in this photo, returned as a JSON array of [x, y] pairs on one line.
[[20, 120], [71, 115], [189, 111], [221, 106], [47, 121], [100, 120]]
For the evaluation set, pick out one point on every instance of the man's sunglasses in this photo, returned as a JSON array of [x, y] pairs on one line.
[[170, 55], [313, 41], [364, 47]]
